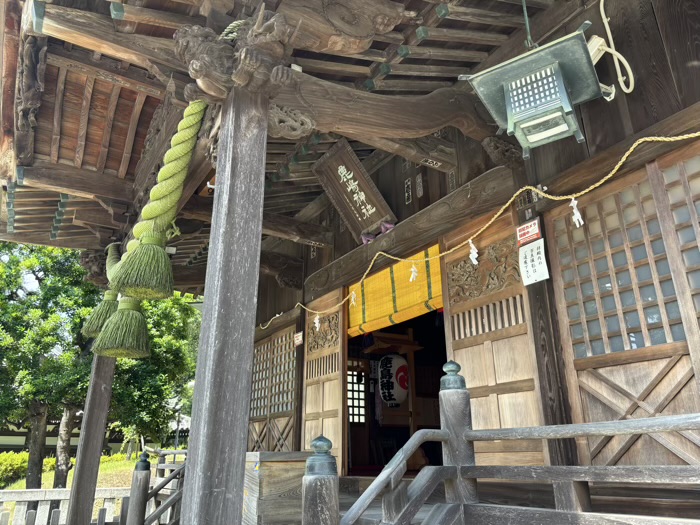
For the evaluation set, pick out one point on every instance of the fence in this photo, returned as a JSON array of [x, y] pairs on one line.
[[401, 502], [145, 503]]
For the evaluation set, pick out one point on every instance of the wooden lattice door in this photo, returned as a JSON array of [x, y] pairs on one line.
[[489, 336], [273, 405], [627, 313], [324, 395]]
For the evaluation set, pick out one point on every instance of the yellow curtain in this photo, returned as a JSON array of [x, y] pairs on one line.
[[389, 297]]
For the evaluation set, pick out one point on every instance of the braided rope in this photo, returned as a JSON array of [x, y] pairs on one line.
[[161, 210]]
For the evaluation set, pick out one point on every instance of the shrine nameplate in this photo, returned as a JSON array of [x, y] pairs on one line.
[[352, 192]]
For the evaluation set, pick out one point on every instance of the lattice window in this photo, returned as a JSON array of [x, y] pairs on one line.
[[259, 390], [357, 392], [682, 184], [489, 318], [274, 375], [322, 366], [615, 275]]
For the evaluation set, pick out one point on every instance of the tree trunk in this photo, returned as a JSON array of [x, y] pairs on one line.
[[36, 442], [65, 432]]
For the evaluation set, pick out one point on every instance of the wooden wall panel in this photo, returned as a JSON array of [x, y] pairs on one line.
[[325, 363], [487, 334]]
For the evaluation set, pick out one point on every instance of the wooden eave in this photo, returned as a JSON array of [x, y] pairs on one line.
[[108, 71]]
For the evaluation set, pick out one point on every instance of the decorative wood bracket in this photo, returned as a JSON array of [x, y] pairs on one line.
[[288, 271]]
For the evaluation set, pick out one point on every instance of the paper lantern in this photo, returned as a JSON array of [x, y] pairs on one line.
[[393, 380]]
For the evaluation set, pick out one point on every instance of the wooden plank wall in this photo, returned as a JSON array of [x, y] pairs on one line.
[[661, 41]]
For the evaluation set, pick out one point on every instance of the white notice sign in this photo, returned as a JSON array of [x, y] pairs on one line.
[[299, 339], [533, 265]]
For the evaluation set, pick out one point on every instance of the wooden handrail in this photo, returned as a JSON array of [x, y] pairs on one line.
[[603, 428], [393, 472], [173, 475], [168, 503]]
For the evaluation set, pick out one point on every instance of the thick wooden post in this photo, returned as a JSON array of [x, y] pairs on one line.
[[216, 461], [138, 497], [319, 490], [87, 465], [456, 418]]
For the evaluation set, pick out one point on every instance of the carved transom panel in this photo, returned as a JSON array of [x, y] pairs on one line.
[[497, 269], [328, 336]]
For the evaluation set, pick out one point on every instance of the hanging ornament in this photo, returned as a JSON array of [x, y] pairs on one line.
[[577, 218], [317, 323], [473, 253], [414, 274], [353, 298]]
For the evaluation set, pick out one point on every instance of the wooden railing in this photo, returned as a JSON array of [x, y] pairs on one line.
[[142, 504], [115, 503], [401, 501]]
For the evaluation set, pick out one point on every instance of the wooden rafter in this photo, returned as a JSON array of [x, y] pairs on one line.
[[57, 114], [154, 17], [107, 129], [129, 144], [96, 32], [75, 181], [84, 117]]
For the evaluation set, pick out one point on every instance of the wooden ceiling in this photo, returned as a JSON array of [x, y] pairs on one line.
[[97, 144]]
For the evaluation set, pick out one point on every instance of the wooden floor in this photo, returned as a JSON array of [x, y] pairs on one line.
[[650, 500]]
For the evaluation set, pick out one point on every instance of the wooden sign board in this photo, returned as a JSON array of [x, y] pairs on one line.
[[352, 192]]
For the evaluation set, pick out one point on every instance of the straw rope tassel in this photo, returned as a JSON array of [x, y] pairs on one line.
[[145, 271]]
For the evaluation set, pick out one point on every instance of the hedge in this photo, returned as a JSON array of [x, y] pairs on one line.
[[13, 465]]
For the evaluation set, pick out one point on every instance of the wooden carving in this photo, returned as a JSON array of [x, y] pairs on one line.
[[348, 111], [503, 153], [340, 27], [94, 262], [288, 123], [497, 269], [28, 92], [327, 336]]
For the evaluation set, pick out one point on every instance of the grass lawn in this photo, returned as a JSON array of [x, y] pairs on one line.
[[113, 474]]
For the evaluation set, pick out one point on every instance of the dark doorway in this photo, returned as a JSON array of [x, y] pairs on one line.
[[377, 431]]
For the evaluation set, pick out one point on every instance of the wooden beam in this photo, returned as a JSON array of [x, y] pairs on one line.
[[131, 134], [107, 129], [337, 109], [84, 116], [422, 86], [99, 217], [153, 17], [478, 16], [288, 271], [96, 32], [213, 492], [74, 181], [332, 68], [465, 36], [429, 151], [439, 53], [57, 114], [10, 16], [42, 239], [419, 231], [586, 173], [381, 70], [83, 63], [295, 230]]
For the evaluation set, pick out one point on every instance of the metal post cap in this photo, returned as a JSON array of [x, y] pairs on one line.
[[143, 464], [452, 380], [322, 463]]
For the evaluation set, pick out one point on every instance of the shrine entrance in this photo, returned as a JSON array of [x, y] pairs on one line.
[[380, 419]]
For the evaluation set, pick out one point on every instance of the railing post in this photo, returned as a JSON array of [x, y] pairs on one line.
[[456, 417], [138, 498], [320, 503]]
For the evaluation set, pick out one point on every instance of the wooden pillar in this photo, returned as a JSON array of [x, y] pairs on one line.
[[92, 430], [138, 497], [319, 492], [213, 490]]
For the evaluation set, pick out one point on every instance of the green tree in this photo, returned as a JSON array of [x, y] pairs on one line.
[[44, 300], [148, 393]]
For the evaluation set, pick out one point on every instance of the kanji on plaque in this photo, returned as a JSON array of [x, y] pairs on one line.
[[351, 191], [533, 264]]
